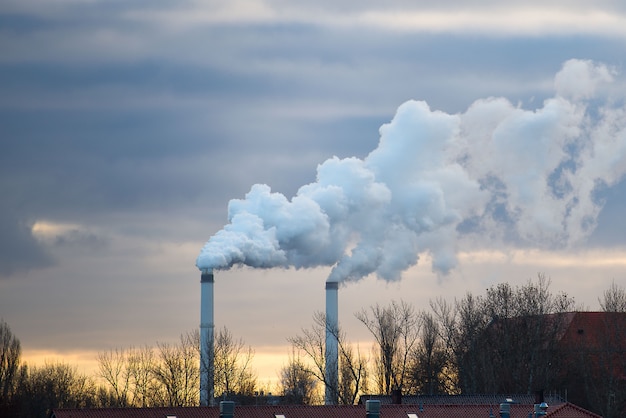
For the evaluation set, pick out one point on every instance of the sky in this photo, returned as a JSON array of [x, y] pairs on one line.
[[410, 150]]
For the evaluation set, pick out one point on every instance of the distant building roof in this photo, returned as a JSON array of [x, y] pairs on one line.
[[479, 399], [594, 329], [568, 410], [565, 410]]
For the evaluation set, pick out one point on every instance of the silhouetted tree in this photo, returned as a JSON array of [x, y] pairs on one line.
[[177, 370], [352, 365], [10, 351], [395, 329], [170, 374], [54, 385], [429, 360], [114, 369], [143, 377], [469, 323], [129, 378], [445, 316], [296, 382], [233, 361], [506, 341], [614, 299], [146, 390]]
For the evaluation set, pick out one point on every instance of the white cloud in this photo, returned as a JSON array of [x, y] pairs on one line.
[[512, 20], [478, 18]]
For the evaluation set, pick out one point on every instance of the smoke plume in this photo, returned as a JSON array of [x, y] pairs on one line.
[[495, 174]]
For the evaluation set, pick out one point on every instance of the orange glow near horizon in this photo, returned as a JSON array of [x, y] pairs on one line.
[[266, 363], [85, 361]]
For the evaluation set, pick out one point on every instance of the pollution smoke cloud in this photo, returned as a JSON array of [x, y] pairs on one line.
[[496, 173]]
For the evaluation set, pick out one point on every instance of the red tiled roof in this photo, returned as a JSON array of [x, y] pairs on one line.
[[551, 398], [594, 329], [569, 410], [191, 412], [298, 411]]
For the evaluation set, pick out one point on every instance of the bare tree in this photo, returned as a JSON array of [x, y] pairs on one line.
[[445, 315], [170, 375], [506, 341], [312, 343], [297, 384], [178, 371], [138, 377], [191, 375], [233, 362], [429, 359], [465, 341], [352, 365], [523, 356], [353, 374], [113, 368], [129, 378], [395, 329], [54, 385], [10, 351], [614, 299], [146, 390]]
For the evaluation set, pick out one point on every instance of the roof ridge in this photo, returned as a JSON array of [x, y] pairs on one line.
[[574, 406]]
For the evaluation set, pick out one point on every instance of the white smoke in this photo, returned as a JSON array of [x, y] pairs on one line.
[[495, 173]]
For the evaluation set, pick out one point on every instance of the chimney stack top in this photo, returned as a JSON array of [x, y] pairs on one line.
[[207, 276]]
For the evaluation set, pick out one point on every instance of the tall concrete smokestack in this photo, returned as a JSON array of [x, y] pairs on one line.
[[331, 369], [207, 350]]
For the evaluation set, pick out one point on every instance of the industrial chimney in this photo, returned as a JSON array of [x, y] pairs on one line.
[[331, 370], [207, 350]]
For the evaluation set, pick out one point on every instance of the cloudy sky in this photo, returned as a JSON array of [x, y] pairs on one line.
[[486, 141]]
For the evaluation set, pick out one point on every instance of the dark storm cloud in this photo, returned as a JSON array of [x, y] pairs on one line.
[[80, 239], [19, 250]]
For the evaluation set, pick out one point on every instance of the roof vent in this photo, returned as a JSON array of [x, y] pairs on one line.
[[505, 410], [227, 409], [541, 410], [372, 409]]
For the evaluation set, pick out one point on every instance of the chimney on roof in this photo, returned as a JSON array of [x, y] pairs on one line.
[[227, 409], [372, 409], [540, 407], [396, 396], [505, 410], [541, 410]]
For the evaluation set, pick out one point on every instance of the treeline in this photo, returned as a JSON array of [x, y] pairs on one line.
[[505, 341], [499, 342], [164, 375]]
